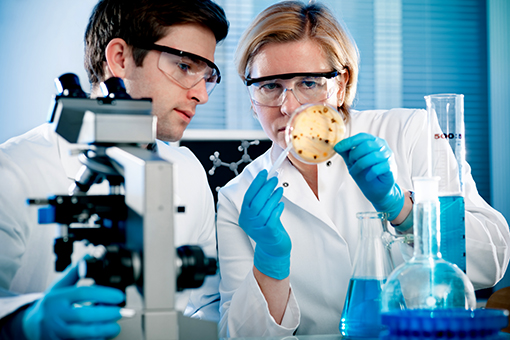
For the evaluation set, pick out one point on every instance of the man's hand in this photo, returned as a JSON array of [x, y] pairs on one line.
[[70, 312]]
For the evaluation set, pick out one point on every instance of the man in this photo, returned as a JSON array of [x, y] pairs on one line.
[[163, 50]]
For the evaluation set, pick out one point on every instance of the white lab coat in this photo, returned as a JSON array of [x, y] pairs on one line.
[[324, 233], [37, 165]]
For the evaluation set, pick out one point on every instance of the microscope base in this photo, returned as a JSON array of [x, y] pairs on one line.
[[167, 326]]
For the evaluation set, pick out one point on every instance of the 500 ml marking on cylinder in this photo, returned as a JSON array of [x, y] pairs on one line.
[[448, 136]]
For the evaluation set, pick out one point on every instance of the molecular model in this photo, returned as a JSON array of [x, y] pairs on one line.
[[245, 158]]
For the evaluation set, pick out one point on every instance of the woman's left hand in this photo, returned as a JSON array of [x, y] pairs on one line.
[[371, 164]]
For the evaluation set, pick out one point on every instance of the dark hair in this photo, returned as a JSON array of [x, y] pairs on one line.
[[143, 21]]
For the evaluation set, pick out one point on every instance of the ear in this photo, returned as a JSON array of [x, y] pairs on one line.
[[118, 58], [342, 85]]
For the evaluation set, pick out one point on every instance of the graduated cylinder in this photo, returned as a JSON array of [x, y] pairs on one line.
[[447, 161]]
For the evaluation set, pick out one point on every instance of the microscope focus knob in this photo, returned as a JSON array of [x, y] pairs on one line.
[[194, 266]]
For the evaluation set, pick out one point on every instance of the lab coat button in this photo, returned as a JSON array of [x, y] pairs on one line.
[[285, 184], [328, 163]]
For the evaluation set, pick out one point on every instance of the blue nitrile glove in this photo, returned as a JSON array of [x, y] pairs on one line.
[[260, 219], [370, 162], [55, 316]]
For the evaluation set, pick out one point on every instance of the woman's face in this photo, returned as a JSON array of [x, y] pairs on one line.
[[303, 56]]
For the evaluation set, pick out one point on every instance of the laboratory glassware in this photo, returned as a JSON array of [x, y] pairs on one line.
[[311, 133], [427, 281], [372, 266], [313, 130], [422, 324], [446, 160]]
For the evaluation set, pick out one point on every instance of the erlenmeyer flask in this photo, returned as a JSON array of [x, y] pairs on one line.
[[372, 266], [427, 281]]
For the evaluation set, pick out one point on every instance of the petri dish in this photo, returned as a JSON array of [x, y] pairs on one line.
[[313, 130]]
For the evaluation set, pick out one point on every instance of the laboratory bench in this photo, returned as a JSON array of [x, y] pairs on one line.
[[503, 336], [297, 337]]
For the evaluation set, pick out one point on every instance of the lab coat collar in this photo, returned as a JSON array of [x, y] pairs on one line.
[[297, 191]]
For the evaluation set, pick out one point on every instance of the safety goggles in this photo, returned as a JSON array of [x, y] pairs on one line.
[[306, 87], [186, 68]]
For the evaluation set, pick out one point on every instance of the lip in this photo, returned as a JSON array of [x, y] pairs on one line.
[[185, 114]]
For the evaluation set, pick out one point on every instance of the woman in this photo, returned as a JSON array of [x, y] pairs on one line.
[[286, 270]]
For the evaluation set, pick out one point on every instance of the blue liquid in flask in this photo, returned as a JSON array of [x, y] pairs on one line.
[[361, 316]]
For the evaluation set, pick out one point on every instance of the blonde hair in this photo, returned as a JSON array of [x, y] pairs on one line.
[[289, 21]]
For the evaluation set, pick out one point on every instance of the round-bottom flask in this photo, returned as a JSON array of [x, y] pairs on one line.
[[427, 281]]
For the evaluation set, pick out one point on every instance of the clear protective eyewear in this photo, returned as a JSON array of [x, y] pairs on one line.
[[306, 87], [186, 68]]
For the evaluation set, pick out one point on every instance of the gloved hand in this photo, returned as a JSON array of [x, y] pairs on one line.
[[370, 163], [56, 317], [260, 219]]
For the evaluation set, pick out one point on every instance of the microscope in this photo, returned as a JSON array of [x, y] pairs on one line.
[[132, 227]]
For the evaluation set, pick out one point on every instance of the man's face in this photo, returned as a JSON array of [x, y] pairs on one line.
[[173, 104]]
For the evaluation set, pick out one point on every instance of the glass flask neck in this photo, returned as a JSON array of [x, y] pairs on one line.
[[372, 259], [427, 234]]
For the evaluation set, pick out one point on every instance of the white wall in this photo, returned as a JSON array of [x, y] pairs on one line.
[[40, 40]]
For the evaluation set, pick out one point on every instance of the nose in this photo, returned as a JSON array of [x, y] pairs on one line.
[[199, 92], [290, 103]]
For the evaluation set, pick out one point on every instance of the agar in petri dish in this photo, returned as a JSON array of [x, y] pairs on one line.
[[313, 130]]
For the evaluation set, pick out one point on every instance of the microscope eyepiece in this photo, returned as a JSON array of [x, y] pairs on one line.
[[68, 85], [114, 88]]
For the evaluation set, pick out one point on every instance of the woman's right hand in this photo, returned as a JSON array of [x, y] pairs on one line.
[[260, 219]]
